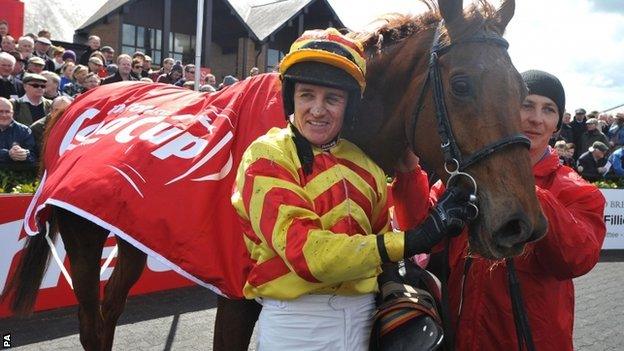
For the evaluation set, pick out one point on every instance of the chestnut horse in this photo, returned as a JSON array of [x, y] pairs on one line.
[[466, 83]]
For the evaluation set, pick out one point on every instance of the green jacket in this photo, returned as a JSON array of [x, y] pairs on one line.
[[21, 111]]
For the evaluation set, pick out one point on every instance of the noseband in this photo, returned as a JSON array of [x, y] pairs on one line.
[[455, 163]]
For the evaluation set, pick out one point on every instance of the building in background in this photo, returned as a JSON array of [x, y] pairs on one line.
[[238, 34]]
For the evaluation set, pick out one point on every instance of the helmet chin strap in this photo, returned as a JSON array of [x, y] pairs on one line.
[[304, 147]]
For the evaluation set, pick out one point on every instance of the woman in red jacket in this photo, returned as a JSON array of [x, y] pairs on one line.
[[480, 303]]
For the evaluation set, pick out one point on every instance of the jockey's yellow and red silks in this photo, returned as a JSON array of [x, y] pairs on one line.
[[299, 53], [312, 233]]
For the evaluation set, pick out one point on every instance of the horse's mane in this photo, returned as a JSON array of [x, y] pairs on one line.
[[388, 32], [395, 27]]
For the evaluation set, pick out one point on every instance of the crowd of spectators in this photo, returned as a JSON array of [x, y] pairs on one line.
[[592, 144], [35, 75]]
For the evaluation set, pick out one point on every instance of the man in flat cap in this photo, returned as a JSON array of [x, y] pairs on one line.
[[32, 105], [35, 65], [42, 48]]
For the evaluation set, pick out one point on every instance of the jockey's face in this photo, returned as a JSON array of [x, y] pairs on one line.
[[539, 117], [319, 112]]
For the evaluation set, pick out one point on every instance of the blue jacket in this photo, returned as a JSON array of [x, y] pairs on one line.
[[16, 133], [616, 162]]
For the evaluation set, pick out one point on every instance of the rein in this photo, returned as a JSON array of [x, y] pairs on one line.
[[455, 164]]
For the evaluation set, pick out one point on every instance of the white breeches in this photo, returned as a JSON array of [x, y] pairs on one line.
[[316, 322]]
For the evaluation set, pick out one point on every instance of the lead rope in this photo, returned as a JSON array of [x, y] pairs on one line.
[[449, 335], [523, 329]]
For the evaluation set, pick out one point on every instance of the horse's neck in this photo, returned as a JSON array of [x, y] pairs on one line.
[[390, 99]]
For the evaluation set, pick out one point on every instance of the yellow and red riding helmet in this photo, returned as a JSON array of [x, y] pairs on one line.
[[327, 58]]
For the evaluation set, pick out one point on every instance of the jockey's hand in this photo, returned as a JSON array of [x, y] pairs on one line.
[[447, 218]]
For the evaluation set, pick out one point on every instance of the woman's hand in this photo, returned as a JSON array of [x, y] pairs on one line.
[[408, 162]]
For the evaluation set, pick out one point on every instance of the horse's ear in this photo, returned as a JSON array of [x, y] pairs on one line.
[[505, 13], [451, 9]]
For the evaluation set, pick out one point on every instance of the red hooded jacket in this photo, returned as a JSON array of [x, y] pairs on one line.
[[571, 248]]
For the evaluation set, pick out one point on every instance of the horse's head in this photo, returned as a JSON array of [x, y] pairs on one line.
[[479, 93]]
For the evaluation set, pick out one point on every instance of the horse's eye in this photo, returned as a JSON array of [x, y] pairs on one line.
[[460, 86]]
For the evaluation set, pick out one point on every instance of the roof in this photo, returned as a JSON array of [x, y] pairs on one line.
[[261, 17], [264, 17], [108, 7]]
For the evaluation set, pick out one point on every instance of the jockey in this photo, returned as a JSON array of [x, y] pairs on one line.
[[314, 208], [479, 296]]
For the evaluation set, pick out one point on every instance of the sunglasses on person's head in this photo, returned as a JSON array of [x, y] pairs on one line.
[[35, 85]]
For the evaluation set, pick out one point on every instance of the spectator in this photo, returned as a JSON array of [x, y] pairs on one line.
[[124, 67], [211, 80], [20, 65], [25, 46], [4, 28], [146, 79], [45, 34], [58, 106], [93, 45], [91, 81], [35, 65], [604, 122], [137, 68], [578, 128], [32, 105], [616, 162], [99, 69], [616, 131], [95, 65], [592, 134], [69, 56], [566, 132], [207, 88], [189, 84], [227, 81], [569, 155], [591, 164], [254, 71], [17, 145], [10, 86], [147, 66], [67, 70], [173, 76], [52, 90], [57, 58], [42, 46], [189, 74], [165, 69], [109, 55], [111, 69], [76, 86], [8, 43], [141, 56]]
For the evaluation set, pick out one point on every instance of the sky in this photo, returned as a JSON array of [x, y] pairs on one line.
[[579, 41]]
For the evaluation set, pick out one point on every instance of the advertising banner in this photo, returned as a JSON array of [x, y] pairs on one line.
[[614, 219], [55, 291]]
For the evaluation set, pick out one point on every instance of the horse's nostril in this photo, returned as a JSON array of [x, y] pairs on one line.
[[512, 233]]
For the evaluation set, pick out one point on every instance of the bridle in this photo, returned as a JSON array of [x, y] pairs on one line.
[[455, 163]]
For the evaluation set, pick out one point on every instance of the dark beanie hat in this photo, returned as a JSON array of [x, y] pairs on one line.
[[545, 84]]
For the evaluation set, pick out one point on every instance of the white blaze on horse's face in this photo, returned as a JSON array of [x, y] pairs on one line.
[[319, 112]]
